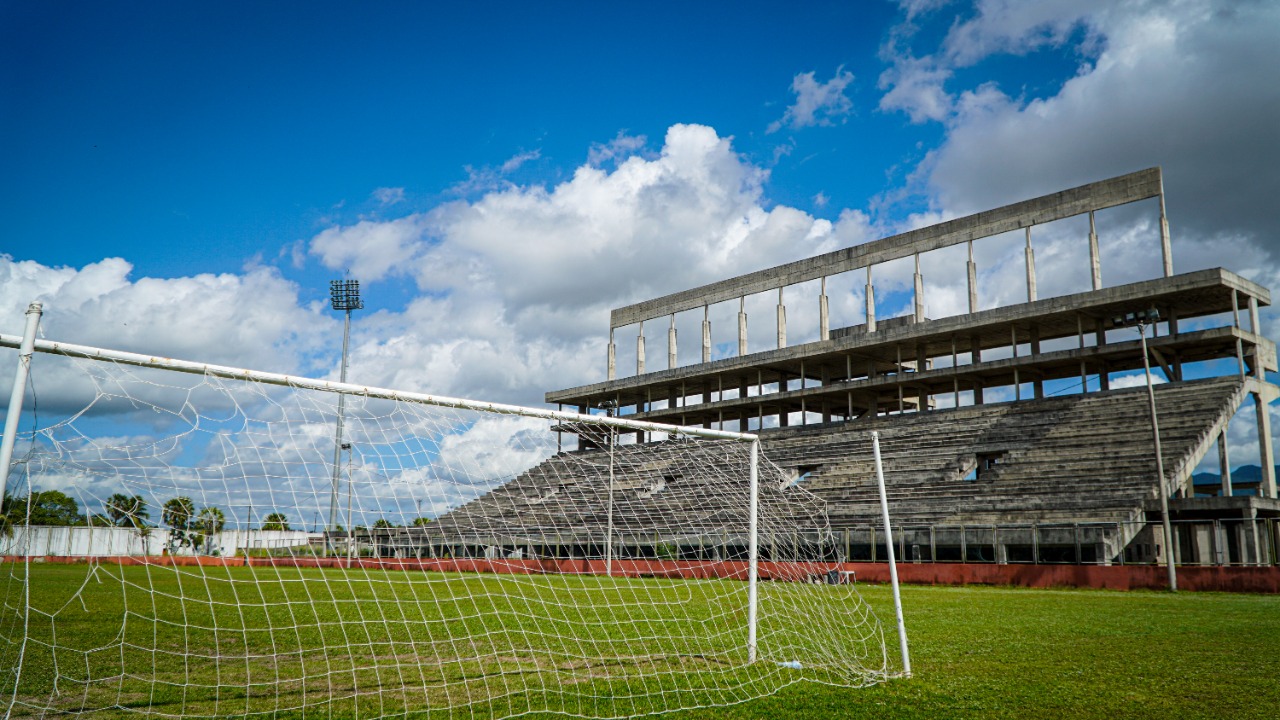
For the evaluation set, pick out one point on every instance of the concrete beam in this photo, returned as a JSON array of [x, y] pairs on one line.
[[1204, 292], [1121, 190]]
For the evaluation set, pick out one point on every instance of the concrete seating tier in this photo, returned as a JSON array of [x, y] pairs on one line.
[[1076, 458]]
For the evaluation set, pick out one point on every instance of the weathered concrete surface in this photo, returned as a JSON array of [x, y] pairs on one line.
[[1186, 296], [1129, 188]]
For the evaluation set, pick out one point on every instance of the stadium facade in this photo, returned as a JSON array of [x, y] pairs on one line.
[[982, 463]]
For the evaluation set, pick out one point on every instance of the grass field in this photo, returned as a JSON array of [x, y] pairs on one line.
[[248, 641]]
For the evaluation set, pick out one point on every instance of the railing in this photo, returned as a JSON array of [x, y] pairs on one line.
[[1242, 542], [1198, 543]]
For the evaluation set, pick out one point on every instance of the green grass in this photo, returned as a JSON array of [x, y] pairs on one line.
[[243, 641]]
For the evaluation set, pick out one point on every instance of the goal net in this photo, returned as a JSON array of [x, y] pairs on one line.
[[195, 545]]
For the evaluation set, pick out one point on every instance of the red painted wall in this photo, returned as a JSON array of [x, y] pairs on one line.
[[1113, 577]]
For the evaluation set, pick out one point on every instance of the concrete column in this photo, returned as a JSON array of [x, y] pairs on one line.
[[613, 357], [824, 320], [706, 334], [742, 326], [782, 321], [671, 344], [1235, 315], [1224, 463], [975, 356], [1035, 350], [871, 303], [1254, 327], [1095, 263], [1267, 488], [640, 350], [1031, 269], [1165, 249], [919, 294], [922, 362], [973, 281]]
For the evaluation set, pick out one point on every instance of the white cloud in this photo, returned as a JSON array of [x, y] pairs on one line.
[[915, 86], [1132, 381], [519, 281], [513, 163], [1185, 85], [388, 195], [370, 249], [617, 149], [817, 103]]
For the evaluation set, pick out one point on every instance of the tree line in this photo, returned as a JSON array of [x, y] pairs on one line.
[[189, 527]]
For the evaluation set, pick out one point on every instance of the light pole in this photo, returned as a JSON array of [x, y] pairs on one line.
[[1140, 320], [344, 295], [610, 408]]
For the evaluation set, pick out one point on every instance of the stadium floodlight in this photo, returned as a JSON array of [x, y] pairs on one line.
[[1141, 320], [344, 295]]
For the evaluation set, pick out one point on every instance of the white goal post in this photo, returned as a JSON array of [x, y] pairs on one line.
[[492, 526]]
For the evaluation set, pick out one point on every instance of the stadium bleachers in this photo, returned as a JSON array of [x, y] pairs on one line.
[[1085, 458]]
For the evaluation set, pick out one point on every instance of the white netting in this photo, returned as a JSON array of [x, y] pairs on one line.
[[476, 581]]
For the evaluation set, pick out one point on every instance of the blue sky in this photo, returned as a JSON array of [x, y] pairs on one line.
[[184, 178]]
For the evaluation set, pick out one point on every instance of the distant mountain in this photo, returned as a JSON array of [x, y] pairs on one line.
[[1244, 474]]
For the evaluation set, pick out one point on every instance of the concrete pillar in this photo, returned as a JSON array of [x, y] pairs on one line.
[[706, 334], [871, 303], [1235, 322], [613, 357], [782, 321], [1224, 463], [973, 281], [1254, 327], [742, 326], [671, 344], [824, 319], [1267, 488], [1031, 269], [1095, 262], [640, 350], [975, 355], [1104, 376], [919, 294], [1035, 350], [922, 362], [1165, 249]]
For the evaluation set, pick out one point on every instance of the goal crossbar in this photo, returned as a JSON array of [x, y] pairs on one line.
[[232, 373]]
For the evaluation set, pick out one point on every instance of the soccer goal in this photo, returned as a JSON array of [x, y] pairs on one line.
[[184, 541]]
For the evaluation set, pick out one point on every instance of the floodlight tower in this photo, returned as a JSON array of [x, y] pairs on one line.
[[1141, 320], [344, 295]]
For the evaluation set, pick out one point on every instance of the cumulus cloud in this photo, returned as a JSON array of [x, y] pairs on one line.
[[247, 320], [370, 249], [518, 283], [1129, 106], [817, 103]]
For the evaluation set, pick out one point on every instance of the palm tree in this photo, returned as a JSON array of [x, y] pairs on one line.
[[276, 521], [178, 513], [127, 511], [211, 521]]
